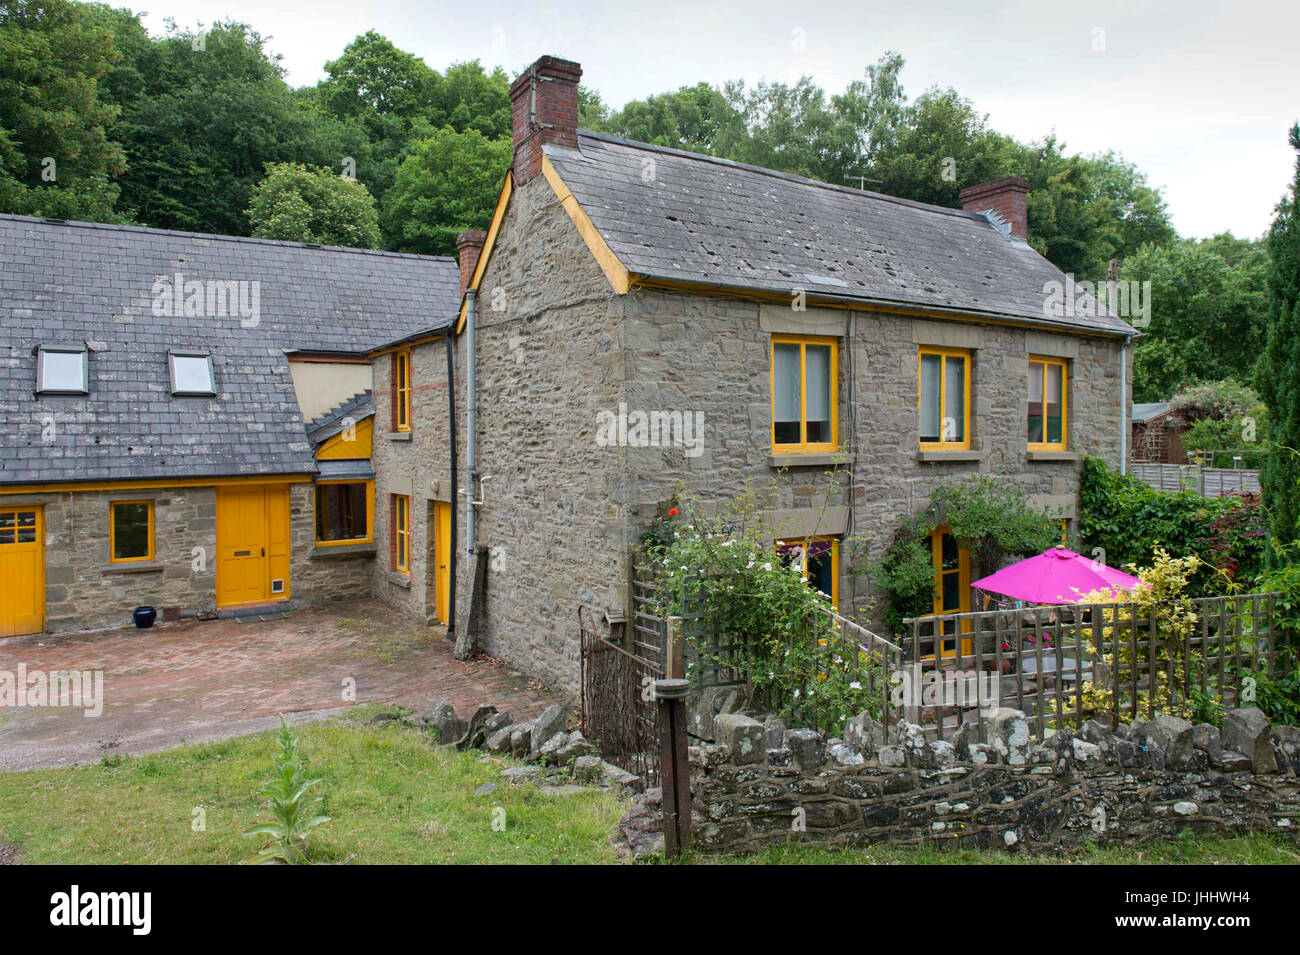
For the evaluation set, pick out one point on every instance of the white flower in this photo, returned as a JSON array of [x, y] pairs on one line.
[[855, 685]]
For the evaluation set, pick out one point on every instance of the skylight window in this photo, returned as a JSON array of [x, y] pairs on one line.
[[191, 373], [61, 370]]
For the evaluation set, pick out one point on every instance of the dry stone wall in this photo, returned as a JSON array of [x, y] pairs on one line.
[[1145, 783]]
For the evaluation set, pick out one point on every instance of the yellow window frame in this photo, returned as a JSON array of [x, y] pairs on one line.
[[112, 533], [804, 446], [402, 390], [402, 534], [370, 513], [1038, 365], [943, 354], [804, 542]]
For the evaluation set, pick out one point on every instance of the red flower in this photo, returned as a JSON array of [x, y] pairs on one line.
[[672, 512]]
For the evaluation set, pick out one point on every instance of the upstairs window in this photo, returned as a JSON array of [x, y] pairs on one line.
[[191, 373], [401, 391], [944, 399], [1047, 399], [804, 376], [62, 370], [401, 534]]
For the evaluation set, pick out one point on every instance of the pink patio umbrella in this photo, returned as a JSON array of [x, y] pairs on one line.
[[1055, 576]]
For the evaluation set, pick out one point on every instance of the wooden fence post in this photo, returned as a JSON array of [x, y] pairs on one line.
[[675, 652], [674, 771]]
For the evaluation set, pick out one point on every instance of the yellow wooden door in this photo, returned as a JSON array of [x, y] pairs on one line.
[[442, 559], [951, 587], [252, 544], [22, 571]]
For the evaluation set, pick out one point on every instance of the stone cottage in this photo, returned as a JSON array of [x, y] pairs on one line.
[[636, 319], [187, 419]]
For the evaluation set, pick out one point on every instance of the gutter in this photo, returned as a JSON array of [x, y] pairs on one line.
[[1123, 404]]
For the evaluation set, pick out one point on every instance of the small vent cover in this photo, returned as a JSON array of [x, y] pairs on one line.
[[277, 586]]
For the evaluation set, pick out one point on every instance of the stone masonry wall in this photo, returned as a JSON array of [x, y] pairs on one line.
[[84, 591], [691, 352], [1148, 782], [417, 464], [549, 360]]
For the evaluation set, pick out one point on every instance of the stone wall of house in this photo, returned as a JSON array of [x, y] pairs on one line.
[[417, 464], [690, 352], [84, 591], [550, 358], [323, 574], [761, 783]]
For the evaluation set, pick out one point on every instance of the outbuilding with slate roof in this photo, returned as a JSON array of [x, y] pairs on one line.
[[156, 389]]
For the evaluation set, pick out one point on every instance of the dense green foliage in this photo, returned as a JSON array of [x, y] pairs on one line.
[[446, 180], [1226, 420], [1208, 313], [1278, 377], [990, 517], [176, 131], [310, 204], [1124, 518]]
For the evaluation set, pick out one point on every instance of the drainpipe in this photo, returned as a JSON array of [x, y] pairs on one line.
[[1123, 405], [471, 424], [451, 549]]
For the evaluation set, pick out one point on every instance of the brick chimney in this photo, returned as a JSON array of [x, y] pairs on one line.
[[1006, 197], [469, 246], [544, 108]]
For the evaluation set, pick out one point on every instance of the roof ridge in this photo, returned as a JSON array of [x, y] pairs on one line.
[[777, 174], [180, 233]]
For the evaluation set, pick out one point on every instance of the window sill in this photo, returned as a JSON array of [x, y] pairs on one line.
[[325, 551], [1051, 456], [398, 580], [134, 567], [399, 436], [949, 457], [802, 460]]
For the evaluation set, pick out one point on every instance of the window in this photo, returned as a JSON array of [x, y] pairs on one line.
[[17, 527], [804, 394], [344, 512], [944, 399], [61, 370], [130, 532], [818, 560], [191, 373], [1048, 379], [401, 533], [402, 391]]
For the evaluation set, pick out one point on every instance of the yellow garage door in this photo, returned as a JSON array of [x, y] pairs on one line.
[[22, 571], [252, 544]]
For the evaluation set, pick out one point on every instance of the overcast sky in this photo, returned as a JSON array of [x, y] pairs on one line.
[[1198, 94]]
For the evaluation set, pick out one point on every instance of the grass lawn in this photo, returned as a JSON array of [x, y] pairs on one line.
[[397, 799], [394, 799]]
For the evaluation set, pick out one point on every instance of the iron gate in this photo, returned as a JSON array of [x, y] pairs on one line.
[[619, 712]]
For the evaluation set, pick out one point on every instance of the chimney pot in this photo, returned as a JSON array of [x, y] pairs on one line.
[[544, 109], [469, 246], [1007, 197]]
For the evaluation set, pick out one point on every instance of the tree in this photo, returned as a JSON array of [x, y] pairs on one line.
[[447, 183], [1278, 375], [300, 203], [691, 118], [1209, 313], [212, 112], [56, 158]]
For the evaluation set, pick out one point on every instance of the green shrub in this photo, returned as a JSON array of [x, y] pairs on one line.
[[293, 813]]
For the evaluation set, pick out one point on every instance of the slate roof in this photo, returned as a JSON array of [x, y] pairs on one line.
[[699, 219], [75, 281], [357, 408], [1145, 411]]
